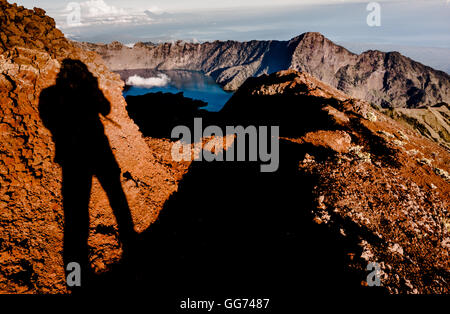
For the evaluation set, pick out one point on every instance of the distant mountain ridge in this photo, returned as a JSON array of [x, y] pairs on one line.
[[383, 79], [435, 57]]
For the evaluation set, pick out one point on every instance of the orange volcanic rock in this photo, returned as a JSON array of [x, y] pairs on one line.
[[31, 213], [291, 82], [337, 141]]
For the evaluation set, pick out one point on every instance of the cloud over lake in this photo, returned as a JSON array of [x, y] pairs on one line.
[[157, 81]]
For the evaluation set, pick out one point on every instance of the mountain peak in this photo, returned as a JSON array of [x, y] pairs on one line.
[[308, 36], [383, 79]]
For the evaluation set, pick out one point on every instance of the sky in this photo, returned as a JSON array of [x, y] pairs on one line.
[[403, 23], [411, 22]]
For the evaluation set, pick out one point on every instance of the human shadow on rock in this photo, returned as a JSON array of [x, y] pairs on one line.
[[71, 110]]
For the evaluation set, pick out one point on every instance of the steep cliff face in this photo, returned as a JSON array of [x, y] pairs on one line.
[[230, 63], [384, 79], [373, 181], [31, 213]]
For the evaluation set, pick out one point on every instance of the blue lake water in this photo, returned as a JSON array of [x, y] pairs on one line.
[[194, 85]]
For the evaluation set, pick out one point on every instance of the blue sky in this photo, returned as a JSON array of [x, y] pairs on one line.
[[412, 22]]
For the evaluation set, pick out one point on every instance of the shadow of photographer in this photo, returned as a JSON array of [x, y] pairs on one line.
[[71, 110]]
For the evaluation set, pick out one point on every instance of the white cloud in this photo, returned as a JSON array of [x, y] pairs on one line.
[[99, 12], [158, 81], [97, 8]]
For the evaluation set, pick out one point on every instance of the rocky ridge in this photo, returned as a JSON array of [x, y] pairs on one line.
[[375, 180], [383, 79]]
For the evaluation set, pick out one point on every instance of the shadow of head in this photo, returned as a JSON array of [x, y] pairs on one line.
[[71, 110], [75, 74]]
